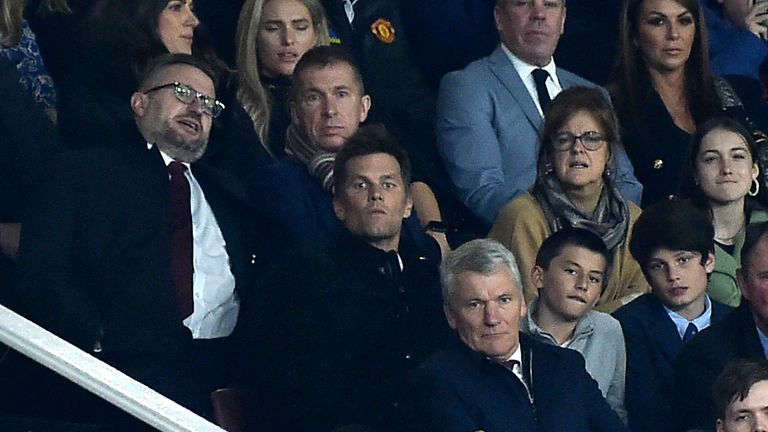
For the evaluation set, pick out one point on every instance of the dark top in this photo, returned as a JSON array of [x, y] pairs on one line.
[[28, 140], [460, 390], [659, 153], [96, 252], [280, 114], [702, 360], [653, 344], [344, 327]]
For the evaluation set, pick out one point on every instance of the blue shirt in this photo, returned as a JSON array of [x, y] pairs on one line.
[[701, 322]]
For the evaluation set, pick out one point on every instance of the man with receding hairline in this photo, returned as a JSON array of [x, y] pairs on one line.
[[139, 255]]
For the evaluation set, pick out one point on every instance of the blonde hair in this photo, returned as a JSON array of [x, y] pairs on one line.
[[10, 22], [250, 92]]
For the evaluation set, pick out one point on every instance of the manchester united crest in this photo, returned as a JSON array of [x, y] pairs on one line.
[[383, 30]]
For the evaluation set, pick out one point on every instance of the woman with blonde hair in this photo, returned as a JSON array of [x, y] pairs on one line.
[[272, 35]]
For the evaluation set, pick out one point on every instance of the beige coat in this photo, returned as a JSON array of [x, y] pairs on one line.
[[522, 227]]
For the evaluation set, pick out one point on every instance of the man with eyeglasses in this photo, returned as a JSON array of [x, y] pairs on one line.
[[139, 257], [673, 243], [489, 114]]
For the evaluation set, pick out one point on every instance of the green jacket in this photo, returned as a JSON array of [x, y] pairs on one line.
[[722, 283]]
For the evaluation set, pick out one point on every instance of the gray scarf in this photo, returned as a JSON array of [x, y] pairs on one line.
[[610, 220], [319, 162]]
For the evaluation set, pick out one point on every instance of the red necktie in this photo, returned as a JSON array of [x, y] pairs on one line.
[[181, 237]]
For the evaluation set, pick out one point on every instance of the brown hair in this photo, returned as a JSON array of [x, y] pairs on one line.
[[569, 102]]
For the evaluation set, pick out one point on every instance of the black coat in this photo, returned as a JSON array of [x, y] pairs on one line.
[[702, 360], [95, 262], [342, 333], [462, 390]]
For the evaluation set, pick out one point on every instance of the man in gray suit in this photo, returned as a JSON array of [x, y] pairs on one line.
[[490, 113]]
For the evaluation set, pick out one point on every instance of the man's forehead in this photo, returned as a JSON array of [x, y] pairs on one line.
[[374, 165], [328, 76], [185, 74], [500, 279]]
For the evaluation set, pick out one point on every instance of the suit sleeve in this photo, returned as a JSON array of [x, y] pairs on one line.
[[439, 407], [49, 291], [630, 187], [644, 399], [692, 406], [469, 145], [602, 418]]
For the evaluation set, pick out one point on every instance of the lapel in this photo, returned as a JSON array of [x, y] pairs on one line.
[[660, 324], [501, 67]]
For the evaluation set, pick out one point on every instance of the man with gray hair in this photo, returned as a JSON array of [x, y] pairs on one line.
[[493, 378]]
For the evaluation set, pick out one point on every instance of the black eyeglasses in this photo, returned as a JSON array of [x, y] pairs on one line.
[[186, 94], [591, 140]]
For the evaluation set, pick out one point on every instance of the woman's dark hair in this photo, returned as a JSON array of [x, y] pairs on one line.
[[632, 83], [688, 186], [569, 102], [122, 37]]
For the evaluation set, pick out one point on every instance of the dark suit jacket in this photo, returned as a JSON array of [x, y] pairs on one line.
[[345, 333], [653, 344], [95, 261], [463, 391], [702, 360]]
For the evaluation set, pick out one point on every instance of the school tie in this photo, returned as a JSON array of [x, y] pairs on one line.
[[181, 237], [540, 78], [690, 332]]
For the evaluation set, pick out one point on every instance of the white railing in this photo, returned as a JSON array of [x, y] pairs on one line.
[[98, 377]]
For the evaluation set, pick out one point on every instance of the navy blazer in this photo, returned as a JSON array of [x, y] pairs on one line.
[[462, 391], [653, 345], [702, 360]]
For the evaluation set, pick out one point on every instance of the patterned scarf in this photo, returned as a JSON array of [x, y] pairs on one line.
[[319, 162], [610, 220]]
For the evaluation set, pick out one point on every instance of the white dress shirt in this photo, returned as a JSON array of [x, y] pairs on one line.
[[525, 71], [216, 305]]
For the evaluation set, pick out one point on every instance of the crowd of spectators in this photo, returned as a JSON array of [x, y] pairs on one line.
[[392, 215]]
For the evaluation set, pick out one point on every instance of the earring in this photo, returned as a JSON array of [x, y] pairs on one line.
[[548, 169], [608, 172], [757, 188]]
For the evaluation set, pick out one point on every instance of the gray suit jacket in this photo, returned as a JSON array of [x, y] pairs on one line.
[[488, 134]]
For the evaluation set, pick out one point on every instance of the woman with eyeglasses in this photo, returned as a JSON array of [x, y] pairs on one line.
[[721, 178], [664, 89], [575, 188], [272, 35]]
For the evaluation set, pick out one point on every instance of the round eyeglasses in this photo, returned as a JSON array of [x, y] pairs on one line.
[[591, 140], [186, 94]]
